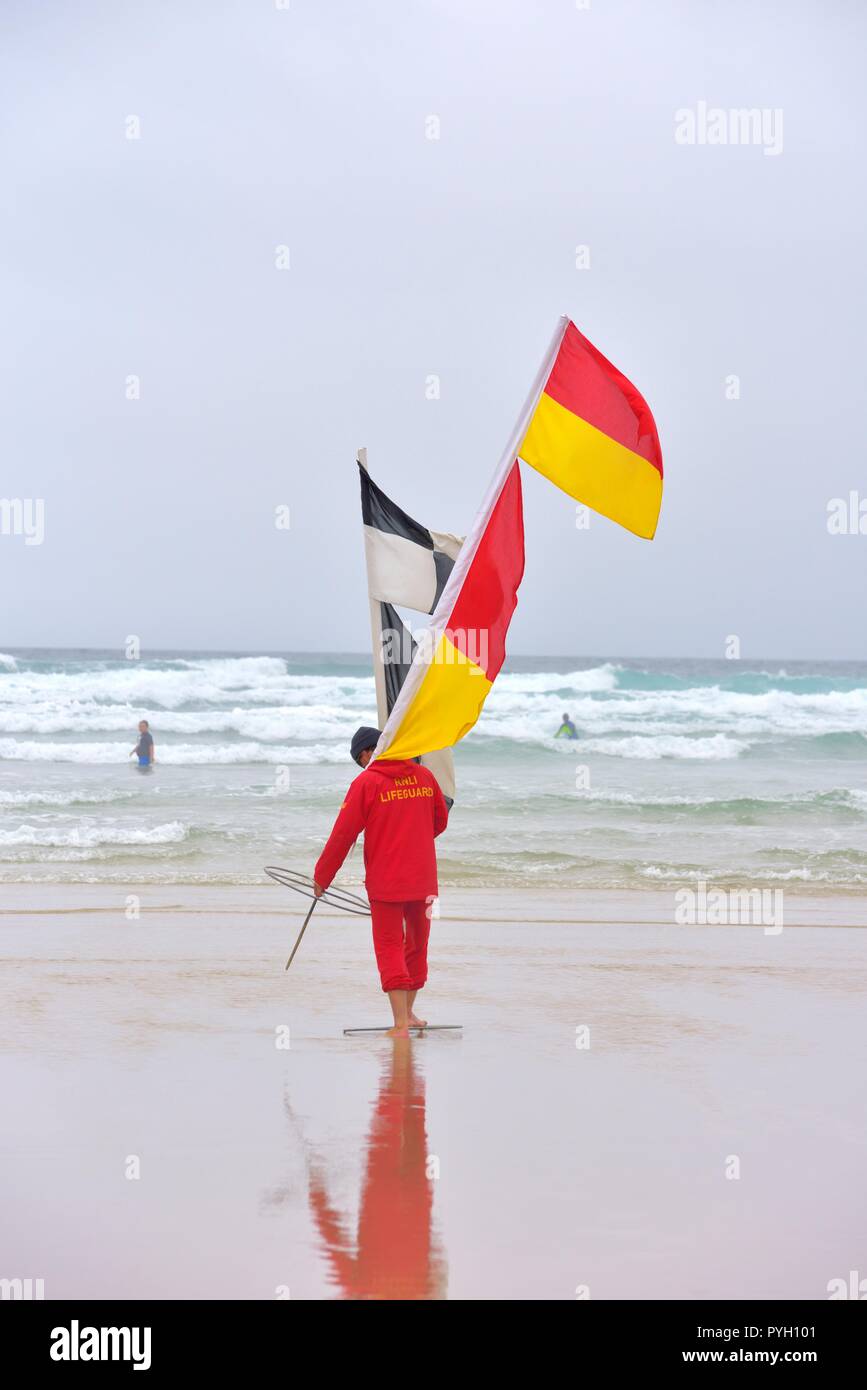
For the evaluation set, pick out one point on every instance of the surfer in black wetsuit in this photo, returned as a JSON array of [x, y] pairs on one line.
[[567, 729]]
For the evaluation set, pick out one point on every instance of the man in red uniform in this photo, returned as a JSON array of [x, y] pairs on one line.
[[400, 808]]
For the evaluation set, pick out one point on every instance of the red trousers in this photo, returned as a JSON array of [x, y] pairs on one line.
[[401, 954]]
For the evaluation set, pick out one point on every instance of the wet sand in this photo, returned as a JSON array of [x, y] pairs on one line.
[[505, 1163]]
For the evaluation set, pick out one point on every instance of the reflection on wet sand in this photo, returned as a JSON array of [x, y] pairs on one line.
[[395, 1254]]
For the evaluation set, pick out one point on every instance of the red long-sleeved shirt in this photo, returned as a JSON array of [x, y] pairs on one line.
[[400, 808]]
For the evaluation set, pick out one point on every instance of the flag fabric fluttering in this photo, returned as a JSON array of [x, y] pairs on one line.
[[467, 646], [407, 564], [586, 428], [592, 433]]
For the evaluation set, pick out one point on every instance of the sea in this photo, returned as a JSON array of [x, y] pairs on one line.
[[723, 771]]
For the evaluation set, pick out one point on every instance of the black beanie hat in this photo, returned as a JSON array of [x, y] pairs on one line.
[[365, 737]]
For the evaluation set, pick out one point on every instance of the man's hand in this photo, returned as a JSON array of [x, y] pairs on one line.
[[317, 889]]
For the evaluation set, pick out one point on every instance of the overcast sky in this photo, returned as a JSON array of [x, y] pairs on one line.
[[410, 257]]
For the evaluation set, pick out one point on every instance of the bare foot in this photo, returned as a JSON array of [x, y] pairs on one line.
[[397, 1032], [417, 1022]]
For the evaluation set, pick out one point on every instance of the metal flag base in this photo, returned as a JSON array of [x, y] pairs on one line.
[[429, 1028]]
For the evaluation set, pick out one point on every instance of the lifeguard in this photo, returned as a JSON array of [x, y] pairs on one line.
[[401, 809]]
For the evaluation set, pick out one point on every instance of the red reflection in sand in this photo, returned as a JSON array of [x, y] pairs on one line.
[[394, 1255]]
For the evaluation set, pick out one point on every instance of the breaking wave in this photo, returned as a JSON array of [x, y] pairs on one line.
[[172, 754], [694, 770], [92, 836]]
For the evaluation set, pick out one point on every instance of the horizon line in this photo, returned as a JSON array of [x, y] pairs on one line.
[[366, 656]]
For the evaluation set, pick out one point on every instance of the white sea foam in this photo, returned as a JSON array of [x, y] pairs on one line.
[[679, 742], [21, 799], [842, 796], [704, 712], [8, 663], [753, 876], [262, 699], [92, 836], [187, 754], [635, 746], [277, 724], [596, 678], [235, 669], [255, 680]]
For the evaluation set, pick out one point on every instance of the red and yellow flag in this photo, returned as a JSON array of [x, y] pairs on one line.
[[586, 428], [443, 694], [593, 435]]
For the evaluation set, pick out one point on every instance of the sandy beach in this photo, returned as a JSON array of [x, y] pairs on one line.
[[503, 1163], [428, 475]]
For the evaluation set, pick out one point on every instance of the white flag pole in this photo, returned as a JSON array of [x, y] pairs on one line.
[[441, 613]]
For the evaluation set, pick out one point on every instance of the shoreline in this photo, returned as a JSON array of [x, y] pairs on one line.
[[593, 907]]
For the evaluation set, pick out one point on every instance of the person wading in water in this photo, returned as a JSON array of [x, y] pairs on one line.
[[401, 810], [144, 749]]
